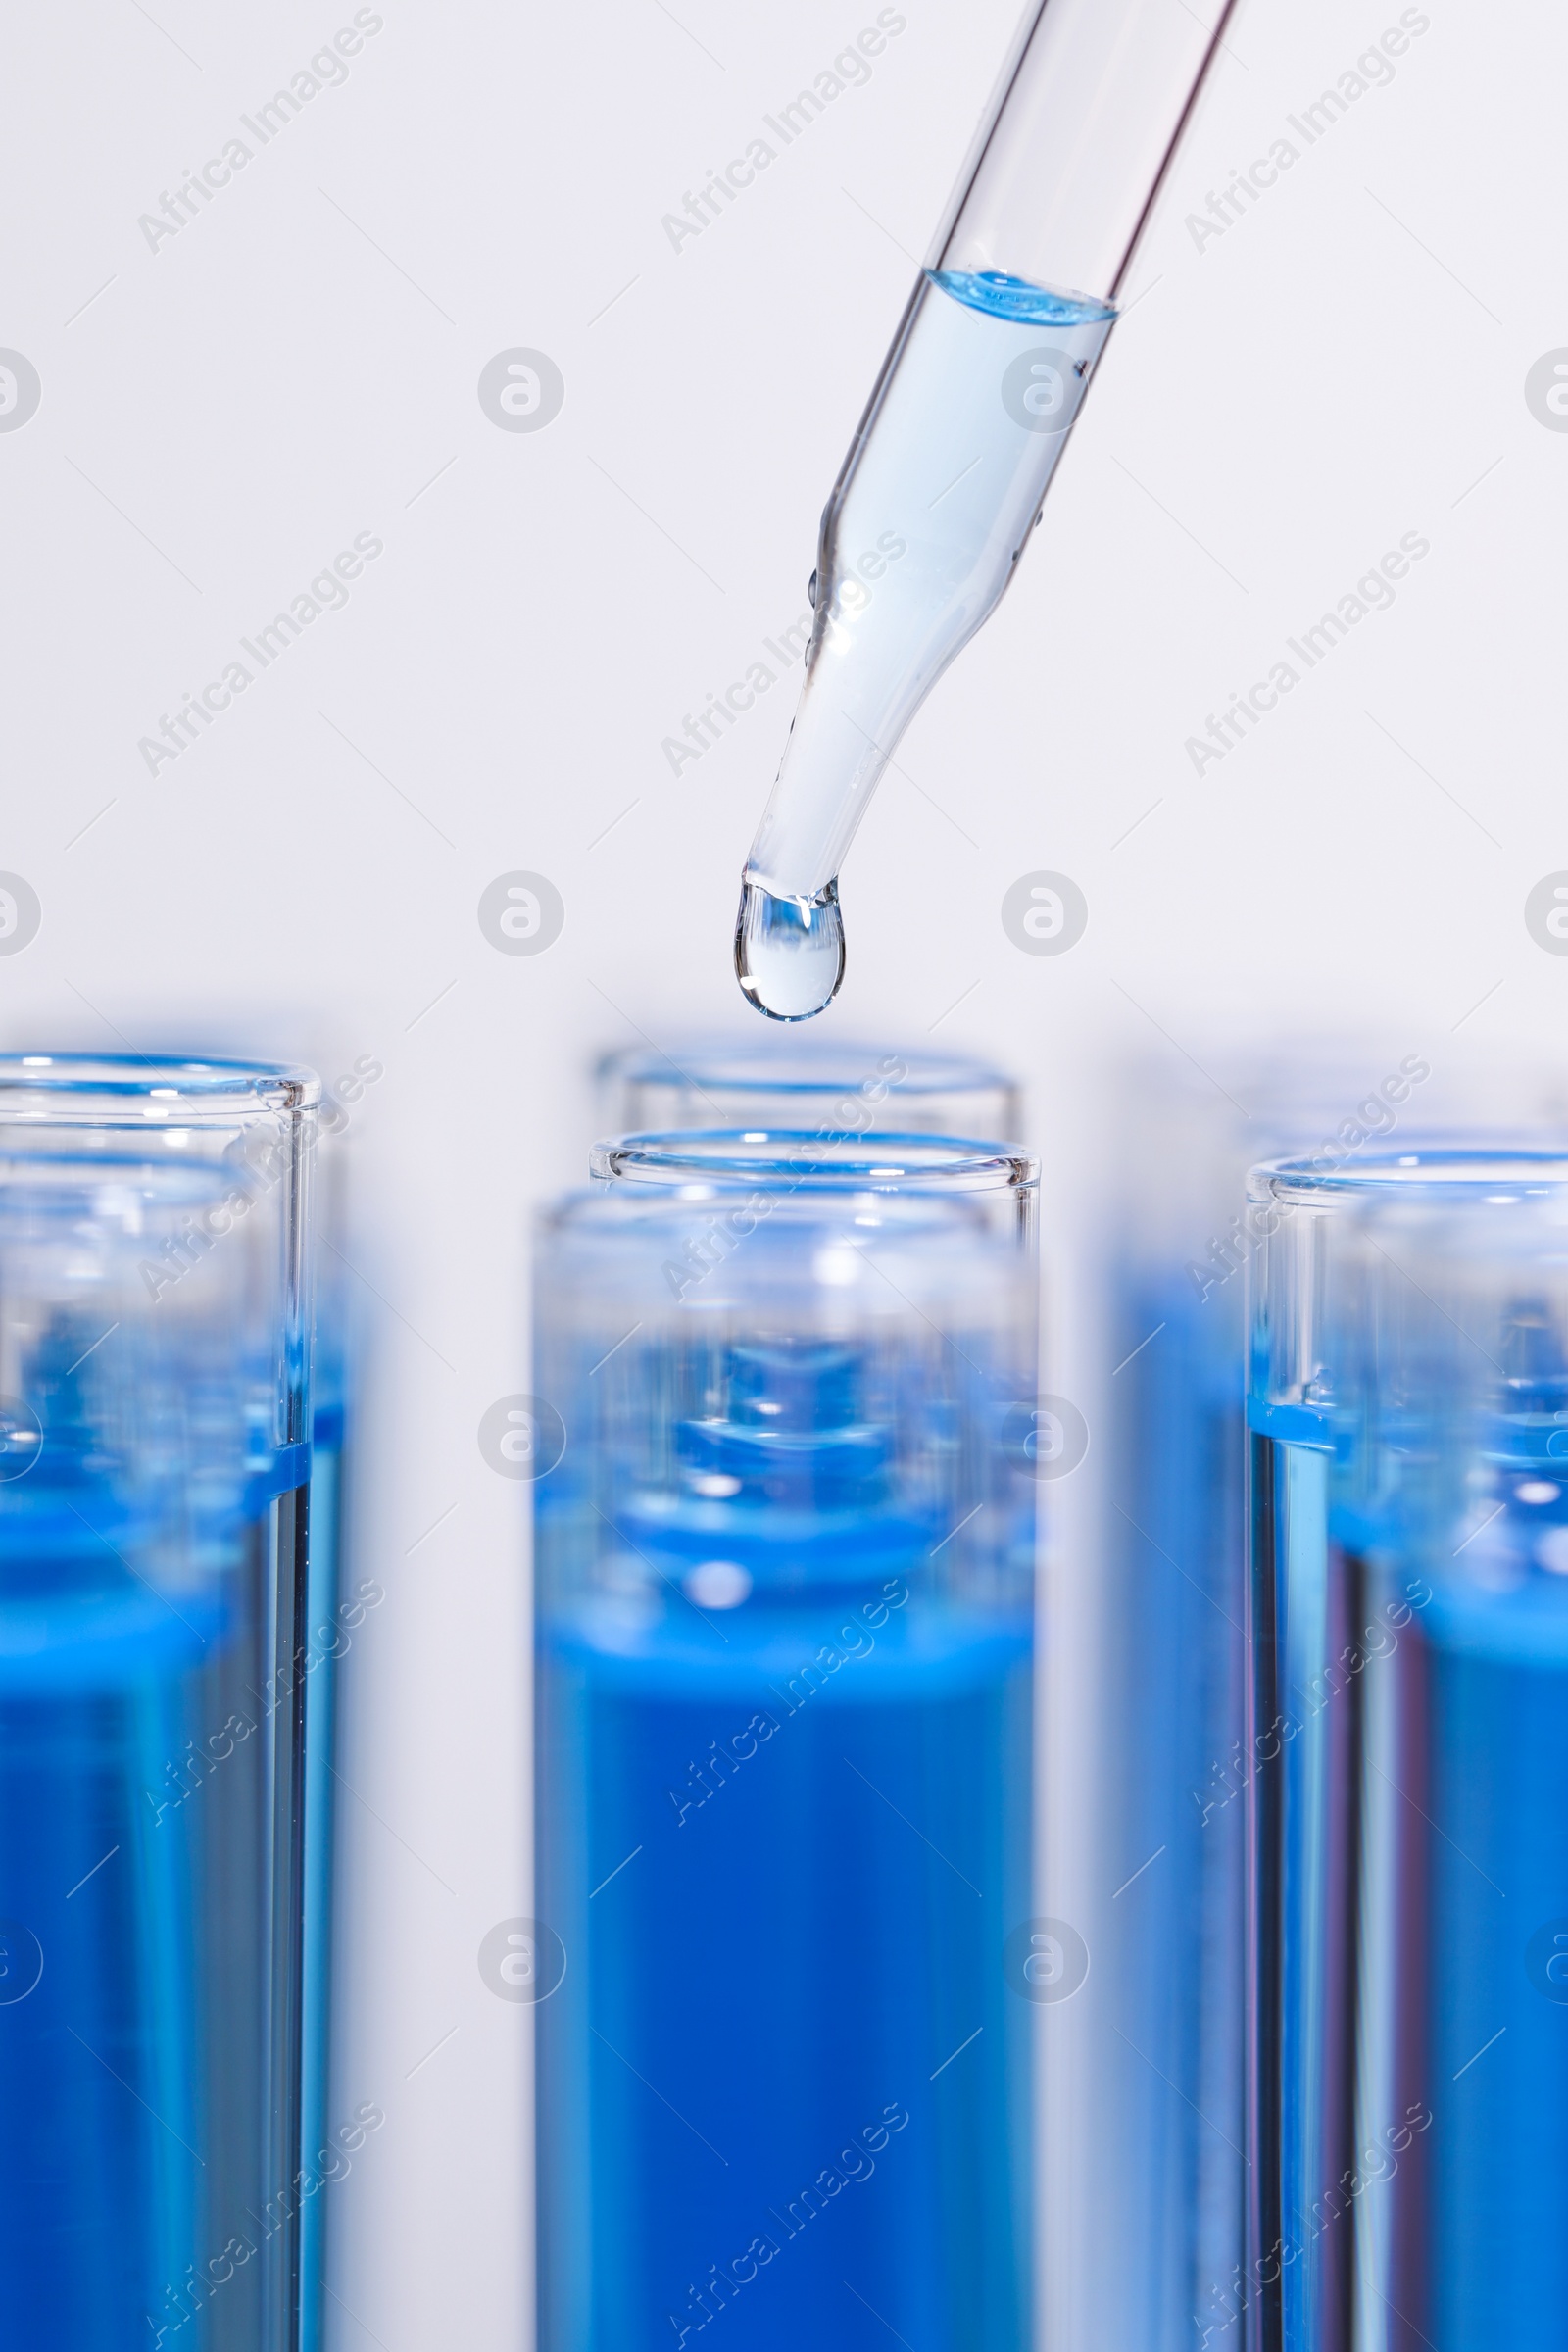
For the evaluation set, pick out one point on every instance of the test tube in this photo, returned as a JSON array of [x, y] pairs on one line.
[[155, 1322], [1154, 1759], [1145, 2110], [1408, 1418], [806, 1082], [784, 1575], [329, 1610], [950, 462]]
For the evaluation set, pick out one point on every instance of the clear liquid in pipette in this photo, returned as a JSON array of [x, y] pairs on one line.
[[932, 510]]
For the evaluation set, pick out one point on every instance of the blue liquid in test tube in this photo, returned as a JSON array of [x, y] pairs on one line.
[[154, 1339], [1409, 1410], [1170, 1797], [328, 1611], [785, 1647]]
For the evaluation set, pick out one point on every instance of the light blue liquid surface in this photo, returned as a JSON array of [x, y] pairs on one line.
[[1001, 296]]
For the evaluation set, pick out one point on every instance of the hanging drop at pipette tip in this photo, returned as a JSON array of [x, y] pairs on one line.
[[789, 953]]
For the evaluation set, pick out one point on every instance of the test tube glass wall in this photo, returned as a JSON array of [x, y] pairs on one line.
[[328, 1613], [1148, 2123], [153, 1453], [1408, 1416], [1158, 1755], [800, 1081], [784, 1641]]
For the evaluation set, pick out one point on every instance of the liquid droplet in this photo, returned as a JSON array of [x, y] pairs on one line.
[[789, 953]]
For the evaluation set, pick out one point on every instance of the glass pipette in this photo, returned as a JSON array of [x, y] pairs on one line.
[[951, 459]]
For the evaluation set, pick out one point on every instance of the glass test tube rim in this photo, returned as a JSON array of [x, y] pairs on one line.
[[1468, 1173], [735, 1065], [79, 1106], [1458, 1216], [733, 1157], [103, 1092]]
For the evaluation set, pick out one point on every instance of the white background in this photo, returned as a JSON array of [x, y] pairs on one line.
[[299, 363]]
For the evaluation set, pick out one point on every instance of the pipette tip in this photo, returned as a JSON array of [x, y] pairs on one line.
[[789, 953]]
